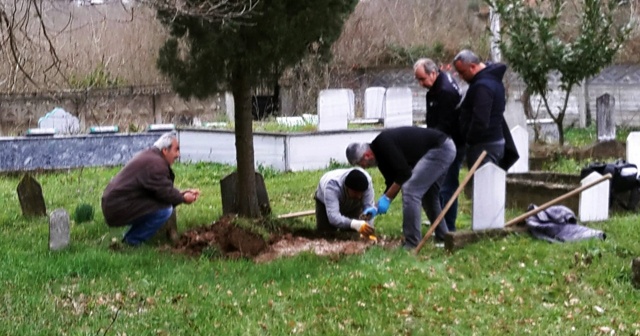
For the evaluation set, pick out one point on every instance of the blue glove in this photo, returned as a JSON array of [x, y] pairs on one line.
[[370, 212], [383, 204]]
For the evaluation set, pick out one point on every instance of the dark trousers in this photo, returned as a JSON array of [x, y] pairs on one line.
[[449, 186], [322, 220]]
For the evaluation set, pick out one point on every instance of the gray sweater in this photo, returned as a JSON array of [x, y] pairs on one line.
[[332, 193]]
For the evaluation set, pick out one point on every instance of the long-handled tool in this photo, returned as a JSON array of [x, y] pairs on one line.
[[298, 214], [556, 200], [451, 200]]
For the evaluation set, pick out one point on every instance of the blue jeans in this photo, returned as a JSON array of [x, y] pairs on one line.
[[415, 192], [144, 227], [449, 186]]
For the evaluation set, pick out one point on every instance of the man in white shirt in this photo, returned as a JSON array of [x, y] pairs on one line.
[[342, 196]]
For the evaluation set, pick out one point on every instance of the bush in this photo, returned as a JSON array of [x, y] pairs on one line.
[[83, 213]]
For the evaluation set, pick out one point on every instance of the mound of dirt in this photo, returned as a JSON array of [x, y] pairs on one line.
[[223, 239]]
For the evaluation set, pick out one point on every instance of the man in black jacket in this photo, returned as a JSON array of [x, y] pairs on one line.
[[482, 124], [411, 158], [443, 98]]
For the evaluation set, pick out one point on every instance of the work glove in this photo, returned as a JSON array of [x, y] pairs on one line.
[[383, 204], [369, 213], [362, 227]]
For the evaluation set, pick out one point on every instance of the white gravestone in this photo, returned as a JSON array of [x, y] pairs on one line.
[[290, 121], [398, 107], [489, 191], [333, 109], [633, 148], [59, 234], [605, 117], [594, 202], [62, 121], [230, 105], [352, 104], [521, 139], [374, 102]]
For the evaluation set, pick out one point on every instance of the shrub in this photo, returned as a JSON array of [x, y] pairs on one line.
[[83, 213]]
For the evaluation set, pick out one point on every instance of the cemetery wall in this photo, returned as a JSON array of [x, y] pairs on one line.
[[130, 108]]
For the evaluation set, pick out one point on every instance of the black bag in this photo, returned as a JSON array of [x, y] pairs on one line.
[[624, 180]]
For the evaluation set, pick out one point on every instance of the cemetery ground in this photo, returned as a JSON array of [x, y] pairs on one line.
[[515, 285]]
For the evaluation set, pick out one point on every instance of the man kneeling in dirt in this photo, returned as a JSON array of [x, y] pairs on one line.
[[341, 197], [142, 194]]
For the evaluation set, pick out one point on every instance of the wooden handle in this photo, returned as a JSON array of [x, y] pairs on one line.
[[298, 214], [451, 200], [556, 200]]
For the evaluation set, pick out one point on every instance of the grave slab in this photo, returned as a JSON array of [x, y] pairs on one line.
[[59, 231], [62, 121], [30, 196], [333, 109], [521, 139], [594, 202], [489, 190], [633, 148], [374, 102], [398, 107]]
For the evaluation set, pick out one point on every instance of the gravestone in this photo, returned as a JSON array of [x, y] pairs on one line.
[[311, 119], [594, 202], [489, 193], [398, 107], [59, 232], [230, 105], [374, 102], [352, 104], [229, 193], [169, 230], [521, 139], [290, 121], [62, 121], [30, 196], [605, 120], [633, 148], [635, 272], [333, 109]]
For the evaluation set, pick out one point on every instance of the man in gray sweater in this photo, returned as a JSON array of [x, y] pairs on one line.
[[341, 197]]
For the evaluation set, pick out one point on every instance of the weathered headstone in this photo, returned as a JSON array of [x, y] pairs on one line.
[[398, 107], [521, 139], [230, 105], [374, 102], [59, 232], [489, 192], [168, 230], [333, 109], [605, 119], [635, 272], [30, 196], [594, 202], [61, 120], [633, 148], [229, 194]]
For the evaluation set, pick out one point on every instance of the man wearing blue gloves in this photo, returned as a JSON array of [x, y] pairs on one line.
[[411, 159], [341, 197]]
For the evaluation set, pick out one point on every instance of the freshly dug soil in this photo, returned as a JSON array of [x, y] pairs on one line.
[[223, 239]]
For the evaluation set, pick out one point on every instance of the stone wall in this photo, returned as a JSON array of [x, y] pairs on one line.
[[130, 108]]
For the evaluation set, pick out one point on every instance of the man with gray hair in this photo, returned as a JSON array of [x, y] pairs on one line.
[[482, 123], [411, 159], [443, 98], [142, 194]]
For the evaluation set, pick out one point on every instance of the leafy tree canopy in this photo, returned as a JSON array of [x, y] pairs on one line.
[[201, 55]]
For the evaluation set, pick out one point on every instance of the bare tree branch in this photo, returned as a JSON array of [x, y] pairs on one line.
[[212, 10]]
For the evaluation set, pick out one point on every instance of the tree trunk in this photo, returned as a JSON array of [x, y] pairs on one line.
[[247, 197]]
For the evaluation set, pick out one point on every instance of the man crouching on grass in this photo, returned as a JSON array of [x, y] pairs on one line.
[[142, 194]]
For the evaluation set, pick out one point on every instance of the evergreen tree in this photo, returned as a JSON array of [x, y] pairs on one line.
[[203, 57]]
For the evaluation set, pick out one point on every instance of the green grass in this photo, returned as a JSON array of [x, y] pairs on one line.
[[511, 286]]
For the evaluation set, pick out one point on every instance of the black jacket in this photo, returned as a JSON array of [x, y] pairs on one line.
[[482, 109], [442, 99], [397, 150]]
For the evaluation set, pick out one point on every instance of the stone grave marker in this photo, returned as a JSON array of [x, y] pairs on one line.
[[633, 148], [351, 96], [62, 121], [489, 193], [521, 139], [605, 119], [230, 106], [168, 230], [398, 107], [30, 196], [59, 232], [594, 202], [333, 109], [374, 102], [229, 192]]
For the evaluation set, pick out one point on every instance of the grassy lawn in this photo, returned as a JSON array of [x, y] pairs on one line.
[[514, 286]]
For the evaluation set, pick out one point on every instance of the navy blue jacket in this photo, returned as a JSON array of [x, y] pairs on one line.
[[442, 99], [481, 115], [397, 150]]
